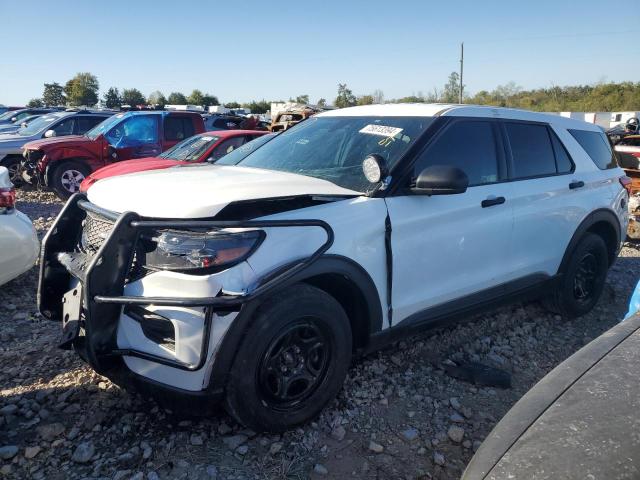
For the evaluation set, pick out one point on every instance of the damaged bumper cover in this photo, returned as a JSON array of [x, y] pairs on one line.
[[91, 294]]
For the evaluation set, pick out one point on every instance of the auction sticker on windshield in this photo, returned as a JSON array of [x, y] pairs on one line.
[[381, 130]]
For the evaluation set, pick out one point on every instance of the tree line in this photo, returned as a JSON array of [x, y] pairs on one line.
[[83, 90]]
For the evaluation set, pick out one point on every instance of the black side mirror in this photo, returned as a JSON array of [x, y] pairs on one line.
[[441, 180]]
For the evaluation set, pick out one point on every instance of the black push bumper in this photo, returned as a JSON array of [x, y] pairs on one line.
[[102, 277]]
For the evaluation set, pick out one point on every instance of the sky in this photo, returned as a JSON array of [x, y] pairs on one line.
[[246, 50]]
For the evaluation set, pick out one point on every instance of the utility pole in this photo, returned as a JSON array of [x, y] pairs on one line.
[[461, 69]]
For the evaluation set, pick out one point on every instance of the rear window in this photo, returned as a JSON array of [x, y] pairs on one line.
[[597, 147], [178, 128]]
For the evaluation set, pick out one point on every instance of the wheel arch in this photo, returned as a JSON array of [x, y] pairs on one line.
[[53, 166], [342, 278], [602, 222]]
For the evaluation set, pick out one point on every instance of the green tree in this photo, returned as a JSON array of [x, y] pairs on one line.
[[133, 97], [322, 102], [195, 98], [345, 97], [303, 99], [156, 98], [82, 89], [258, 107], [451, 92], [209, 100], [365, 100], [378, 96], [53, 95], [232, 105], [35, 102], [176, 98], [112, 98]]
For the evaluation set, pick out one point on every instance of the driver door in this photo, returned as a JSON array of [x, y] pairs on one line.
[[448, 247], [136, 137]]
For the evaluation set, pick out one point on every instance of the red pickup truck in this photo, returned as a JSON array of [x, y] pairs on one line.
[[62, 163]]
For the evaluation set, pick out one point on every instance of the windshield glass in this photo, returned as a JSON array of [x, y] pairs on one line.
[[333, 148], [191, 149], [240, 153], [38, 125], [8, 115], [104, 126]]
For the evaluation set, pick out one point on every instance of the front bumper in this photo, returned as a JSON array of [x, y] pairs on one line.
[[29, 167], [106, 334]]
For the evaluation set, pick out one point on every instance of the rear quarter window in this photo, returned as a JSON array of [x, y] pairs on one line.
[[597, 147]]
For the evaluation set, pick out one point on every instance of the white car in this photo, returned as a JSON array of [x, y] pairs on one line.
[[19, 244], [257, 282]]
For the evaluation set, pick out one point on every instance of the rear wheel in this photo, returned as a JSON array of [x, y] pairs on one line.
[[67, 177], [15, 172], [292, 361], [582, 283]]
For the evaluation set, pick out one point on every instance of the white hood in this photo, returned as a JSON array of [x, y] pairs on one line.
[[201, 191]]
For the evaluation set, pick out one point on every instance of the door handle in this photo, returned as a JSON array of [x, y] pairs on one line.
[[576, 184], [490, 202]]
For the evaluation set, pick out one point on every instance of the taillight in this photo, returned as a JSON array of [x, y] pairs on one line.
[[626, 183], [7, 198]]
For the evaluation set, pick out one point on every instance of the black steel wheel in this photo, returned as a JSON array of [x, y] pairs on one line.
[[292, 361]]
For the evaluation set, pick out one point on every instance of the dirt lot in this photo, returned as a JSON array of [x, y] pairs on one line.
[[399, 415]]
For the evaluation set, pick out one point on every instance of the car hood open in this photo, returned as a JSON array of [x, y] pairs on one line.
[[187, 192]]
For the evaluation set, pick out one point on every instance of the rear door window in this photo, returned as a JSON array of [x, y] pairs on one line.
[[84, 123], [65, 127], [531, 150], [469, 145], [597, 147], [178, 128]]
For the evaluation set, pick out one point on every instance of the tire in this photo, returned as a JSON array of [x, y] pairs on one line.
[[66, 178], [15, 174], [582, 282], [299, 327]]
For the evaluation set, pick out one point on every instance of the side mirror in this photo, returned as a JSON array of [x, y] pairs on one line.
[[13, 119], [441, 180], [49, 133], [374, 168]]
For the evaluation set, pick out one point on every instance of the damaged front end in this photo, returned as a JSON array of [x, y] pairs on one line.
[[138, 294]]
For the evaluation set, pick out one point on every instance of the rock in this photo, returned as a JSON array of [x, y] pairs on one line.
[[410, 434], [375, 447], [275, 448], [242, 450], [455, 433], [476, 445], [83, 452], [234, 441], [196, 439], [457, 418], [466, 444], [31, 452], [455, 403], [8, 409], [338, 433], [137, 476], [51, 431], [438, 459], [8, 452], [121, 474], [212, 471], [153, 476], [224, 429], [320, 469]]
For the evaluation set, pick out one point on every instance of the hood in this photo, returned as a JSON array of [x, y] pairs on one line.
[[132, 166], [12, 142], [58, 141], [183, 192]]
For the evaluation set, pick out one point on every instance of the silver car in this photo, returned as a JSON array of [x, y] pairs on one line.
[[55, 124]]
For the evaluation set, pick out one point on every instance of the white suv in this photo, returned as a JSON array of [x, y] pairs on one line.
[[258, 282]]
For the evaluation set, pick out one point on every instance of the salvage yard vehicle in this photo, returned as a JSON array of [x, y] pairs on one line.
[[63, 163], [55, 124], [17, 125], [208, 146], [17, 115], [19, 246], [257, 283], [578, 422], [291, 116]]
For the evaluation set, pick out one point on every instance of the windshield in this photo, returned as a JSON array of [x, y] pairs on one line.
[[240, 153], [8, 115], [333, 148], [191, 149], [37, 125], [104, 126]]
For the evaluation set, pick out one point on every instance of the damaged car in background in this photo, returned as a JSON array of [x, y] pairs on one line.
[[256, 283]]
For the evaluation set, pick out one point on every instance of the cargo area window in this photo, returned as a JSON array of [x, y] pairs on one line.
[[597, 147]]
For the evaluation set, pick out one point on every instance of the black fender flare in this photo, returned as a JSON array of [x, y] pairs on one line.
[[600, 215], [327, 264]]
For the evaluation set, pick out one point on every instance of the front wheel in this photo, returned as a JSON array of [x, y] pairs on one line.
[[292, 361], [15, 172], [67, 177], [583, 280]]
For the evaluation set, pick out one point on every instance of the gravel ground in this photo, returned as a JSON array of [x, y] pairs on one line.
[[399, 415]]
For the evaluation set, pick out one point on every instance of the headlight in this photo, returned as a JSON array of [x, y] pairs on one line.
[[188, 251]]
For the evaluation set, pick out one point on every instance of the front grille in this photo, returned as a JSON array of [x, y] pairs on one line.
[[95, 230]]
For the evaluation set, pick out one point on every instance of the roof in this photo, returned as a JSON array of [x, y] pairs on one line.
[[456, 110], [233, 133]]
